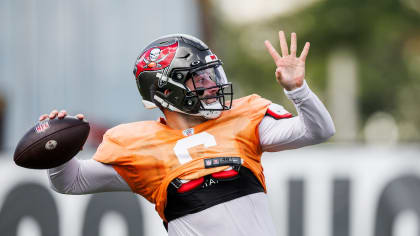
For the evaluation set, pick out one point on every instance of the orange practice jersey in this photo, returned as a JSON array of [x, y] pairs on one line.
[[149, 154]]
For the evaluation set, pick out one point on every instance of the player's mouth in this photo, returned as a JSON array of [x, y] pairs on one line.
[[210, 100]]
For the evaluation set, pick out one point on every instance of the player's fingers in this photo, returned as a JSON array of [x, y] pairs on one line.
[[305, 51], [271, 50], [53, 114], [43, 117], [80, 116], [62, 114], [293, 45], [283, 44]]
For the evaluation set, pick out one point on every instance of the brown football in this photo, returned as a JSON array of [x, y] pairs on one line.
[[51, 143]]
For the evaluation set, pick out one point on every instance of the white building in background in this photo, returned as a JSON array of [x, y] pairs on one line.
[[342, 93], [79, 55]]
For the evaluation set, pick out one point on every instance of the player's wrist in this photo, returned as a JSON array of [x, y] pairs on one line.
[[298, 94]]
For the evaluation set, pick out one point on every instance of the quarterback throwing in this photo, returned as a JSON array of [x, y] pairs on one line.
[[200, 164]]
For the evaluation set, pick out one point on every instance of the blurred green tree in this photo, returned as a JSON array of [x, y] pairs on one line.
[[384, 35]]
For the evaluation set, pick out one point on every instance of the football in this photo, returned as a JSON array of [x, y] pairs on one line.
[[51, 143]]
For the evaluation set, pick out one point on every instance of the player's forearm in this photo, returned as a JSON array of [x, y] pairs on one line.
[[314, 116], [85, 176], [312, 125]]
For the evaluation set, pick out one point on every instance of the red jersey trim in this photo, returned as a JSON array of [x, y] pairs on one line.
[[225, 174], [192, 184], [278, 116]]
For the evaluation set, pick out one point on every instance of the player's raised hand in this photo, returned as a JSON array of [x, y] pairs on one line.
[[290, 71], [60, 115]]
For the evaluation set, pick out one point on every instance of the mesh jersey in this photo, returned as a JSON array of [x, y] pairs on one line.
[[149, 154]]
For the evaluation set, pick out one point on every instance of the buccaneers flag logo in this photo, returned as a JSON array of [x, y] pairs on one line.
[[156, 58]]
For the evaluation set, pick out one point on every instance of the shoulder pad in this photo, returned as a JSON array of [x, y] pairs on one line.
[[277, 112]]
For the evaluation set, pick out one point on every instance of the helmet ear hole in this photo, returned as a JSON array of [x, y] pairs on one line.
[[191, 104], [167, 92]]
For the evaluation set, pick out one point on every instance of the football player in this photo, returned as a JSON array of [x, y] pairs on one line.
[[200, 164]]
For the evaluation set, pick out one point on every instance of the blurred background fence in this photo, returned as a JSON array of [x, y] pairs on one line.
[[364, 64]]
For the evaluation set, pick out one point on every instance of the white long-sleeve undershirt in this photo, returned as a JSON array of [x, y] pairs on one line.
[[85, 176], [312, 125]]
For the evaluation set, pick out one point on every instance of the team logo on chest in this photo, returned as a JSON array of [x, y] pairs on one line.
[[188, 132]]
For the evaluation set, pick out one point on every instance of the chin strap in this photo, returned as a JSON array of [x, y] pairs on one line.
[[210, 112], [210, 115]]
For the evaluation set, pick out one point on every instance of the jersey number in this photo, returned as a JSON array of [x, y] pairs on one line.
[[182, 146]]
